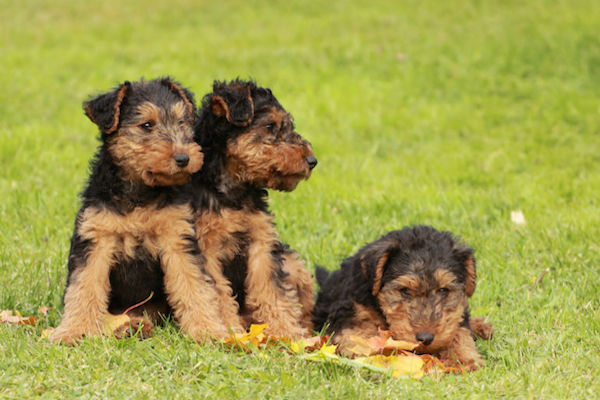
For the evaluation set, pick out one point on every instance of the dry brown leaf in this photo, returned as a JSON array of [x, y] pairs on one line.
[[379, 353], [7, 317], [434, 364], [119, 325], [308, 345], [380, 344], [44, 310]]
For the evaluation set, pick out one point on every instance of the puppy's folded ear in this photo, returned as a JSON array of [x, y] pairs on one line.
[[186, 95], [233, 102], [464, 255], [373, 260], [104, 110]]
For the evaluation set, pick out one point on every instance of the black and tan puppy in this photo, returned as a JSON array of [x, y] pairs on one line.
[[414, 282], [250, 144], [135, 233]]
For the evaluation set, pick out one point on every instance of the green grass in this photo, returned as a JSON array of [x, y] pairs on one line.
[[452, 114]]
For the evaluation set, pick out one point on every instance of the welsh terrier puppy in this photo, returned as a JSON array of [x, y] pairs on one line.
[[250, 144], [414, 282], [135, 233]]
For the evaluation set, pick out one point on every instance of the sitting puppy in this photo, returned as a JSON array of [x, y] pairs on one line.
[[250, 144], [414, 282], [135, 232]]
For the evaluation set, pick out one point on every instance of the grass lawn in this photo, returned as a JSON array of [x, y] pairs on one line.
[[452, 114]]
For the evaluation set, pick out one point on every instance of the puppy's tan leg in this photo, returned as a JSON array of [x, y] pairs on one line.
[[265, 297], [191, 293], [213, 233], [86, 297], [228, 306], [303, 285], [190, 290]]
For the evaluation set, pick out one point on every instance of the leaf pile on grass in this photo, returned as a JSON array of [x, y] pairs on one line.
[[15, 318], [7, 317], [380, 353]]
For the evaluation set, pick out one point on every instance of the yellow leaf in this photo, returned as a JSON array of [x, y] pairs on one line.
[[297, 347], [361, 346], [407, 365], [256, 329], [254, 337], [328, 349], [402, 365], [112, 322], [46, 333], [307, 344]]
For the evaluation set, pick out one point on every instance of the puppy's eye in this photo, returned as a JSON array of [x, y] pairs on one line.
[[443, 291], [270, 127], [147, 126], [405, 292]]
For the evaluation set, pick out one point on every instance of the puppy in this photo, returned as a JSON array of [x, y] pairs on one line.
[[250, 143], [135, 232], [414, 282]]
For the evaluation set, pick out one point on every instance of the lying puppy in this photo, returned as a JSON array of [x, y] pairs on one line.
[[414, 282]]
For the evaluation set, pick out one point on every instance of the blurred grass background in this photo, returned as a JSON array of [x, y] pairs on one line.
[[452, 114]]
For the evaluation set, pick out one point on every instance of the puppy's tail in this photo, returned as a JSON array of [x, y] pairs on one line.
[[321, 274]]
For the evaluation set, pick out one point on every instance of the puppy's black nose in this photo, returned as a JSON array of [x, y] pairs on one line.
[[181, 159], [425, 337], [312, 161]]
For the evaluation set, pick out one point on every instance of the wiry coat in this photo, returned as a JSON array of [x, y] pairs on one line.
[[134, 234], [250, 144], [414, 282]]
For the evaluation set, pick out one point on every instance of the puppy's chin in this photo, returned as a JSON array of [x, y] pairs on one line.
[[160, 179], [431, 349], [286, 183]]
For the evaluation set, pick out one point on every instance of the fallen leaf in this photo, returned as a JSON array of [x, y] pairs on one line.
[[380, 344], [326, 352], [308, 344], [118, 325], [7, 316], [44, 310], [434, 364], [400, 365], [252, 338], [517, 217], [112, 322], [46, 333], [380, 353]]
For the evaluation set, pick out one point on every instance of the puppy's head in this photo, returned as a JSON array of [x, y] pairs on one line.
[[421, 279], [147, 127], [259, 142]]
